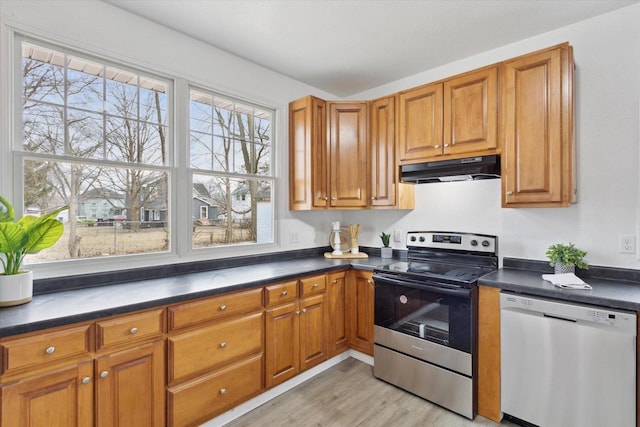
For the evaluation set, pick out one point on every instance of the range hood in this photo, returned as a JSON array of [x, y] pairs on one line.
[[467, 169]]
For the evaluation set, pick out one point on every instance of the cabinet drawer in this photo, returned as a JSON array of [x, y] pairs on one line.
[[48, 347], [203, 398], [213, 308], [214, 346], [314, 284], [129, 328], [281, 293]]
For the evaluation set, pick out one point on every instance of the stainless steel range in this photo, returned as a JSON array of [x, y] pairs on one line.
[[426, 316]]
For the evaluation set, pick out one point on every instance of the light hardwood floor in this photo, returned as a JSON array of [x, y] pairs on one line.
[[347, 395]]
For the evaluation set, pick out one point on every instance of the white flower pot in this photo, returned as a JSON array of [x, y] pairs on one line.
[[386, 252], [16, 289]]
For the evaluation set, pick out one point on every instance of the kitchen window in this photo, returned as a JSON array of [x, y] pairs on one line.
[[230, 168], [95, 134]]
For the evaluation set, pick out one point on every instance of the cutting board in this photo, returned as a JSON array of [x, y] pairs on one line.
[[345, 255]]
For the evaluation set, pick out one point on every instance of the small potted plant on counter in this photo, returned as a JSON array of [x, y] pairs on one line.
[[565, 258], [29, 235], [386, 251]]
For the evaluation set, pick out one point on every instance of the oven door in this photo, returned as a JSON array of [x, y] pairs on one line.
[[425, 309]]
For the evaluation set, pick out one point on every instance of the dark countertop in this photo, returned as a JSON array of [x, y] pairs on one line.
[[612, 293], [66, 307]]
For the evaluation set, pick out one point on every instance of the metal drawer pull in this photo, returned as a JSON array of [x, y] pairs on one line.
[[85, 380], [284, 293], [335, 282], [223, 391], [133, 331], [104, 374], [315, 285], [304, 310], [509, 193], [298, 312], [50, 350], [223, 307], [436, 146], [223, 344]]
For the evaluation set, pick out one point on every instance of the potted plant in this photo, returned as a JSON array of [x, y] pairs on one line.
[[29, 235], [386, 251], [565, 258]]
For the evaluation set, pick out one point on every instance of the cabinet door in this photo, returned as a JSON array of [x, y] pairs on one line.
[[348, 150], [360, 307], [313, 331], [382, 149], [420, 123], [471, 112], [62, 398], [537, 117], [130, 387], [282, 344], [307, 154], [337, 299]]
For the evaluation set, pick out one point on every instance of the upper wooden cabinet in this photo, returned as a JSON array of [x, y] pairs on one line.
[[451, 118], [339, 158], [308, 154], [537, 116], [471, 112], [420, 123], [348, 151]]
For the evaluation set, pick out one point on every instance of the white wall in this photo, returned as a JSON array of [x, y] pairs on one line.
[[607, 55], [607, 52]]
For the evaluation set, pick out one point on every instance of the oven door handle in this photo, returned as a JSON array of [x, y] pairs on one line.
[[458, 292]]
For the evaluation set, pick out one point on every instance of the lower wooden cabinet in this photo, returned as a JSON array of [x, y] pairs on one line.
[[337, 302], [489, 353], [296, 332], [130, 387], [60, 398], [201, 399], [360, 310]]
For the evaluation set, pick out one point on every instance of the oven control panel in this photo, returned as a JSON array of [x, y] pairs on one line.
[[456, 241]]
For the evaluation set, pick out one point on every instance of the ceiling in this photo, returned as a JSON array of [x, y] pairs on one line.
[[349, 46]]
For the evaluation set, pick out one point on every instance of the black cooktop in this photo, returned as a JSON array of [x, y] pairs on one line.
[[450, 273]]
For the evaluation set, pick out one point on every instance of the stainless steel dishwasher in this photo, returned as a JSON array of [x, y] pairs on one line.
[[567, 365]]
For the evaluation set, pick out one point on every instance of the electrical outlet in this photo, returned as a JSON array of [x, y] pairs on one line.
[[627, 244], [293, 237], [397, 235]]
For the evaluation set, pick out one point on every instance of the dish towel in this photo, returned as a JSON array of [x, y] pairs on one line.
[[566, 281]]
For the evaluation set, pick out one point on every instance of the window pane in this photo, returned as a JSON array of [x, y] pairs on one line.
[[42, 80], [239, 211], [201, 151], [85, 85], [121, 97], [122, 139], [43, 129], [85, 134], [112, 211]]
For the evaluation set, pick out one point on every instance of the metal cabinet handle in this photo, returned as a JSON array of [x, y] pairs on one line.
[[223, 344], [315, 286], [297, 312], [133, 331], [373, 197], [304, 310], [85, 380], [223, 307], [284, 293], [436, 146], [50, 350], [104, 374], [368, 281], [335, 281], [446, 145], [223, 391], [509, 193], [333, 198]]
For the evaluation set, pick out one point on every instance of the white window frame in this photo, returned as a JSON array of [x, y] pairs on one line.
[[180, 204]]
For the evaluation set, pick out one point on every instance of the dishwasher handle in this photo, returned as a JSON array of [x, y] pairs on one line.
[[554, 316]]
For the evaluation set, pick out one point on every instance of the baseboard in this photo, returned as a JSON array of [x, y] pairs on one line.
[[260, 400]]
